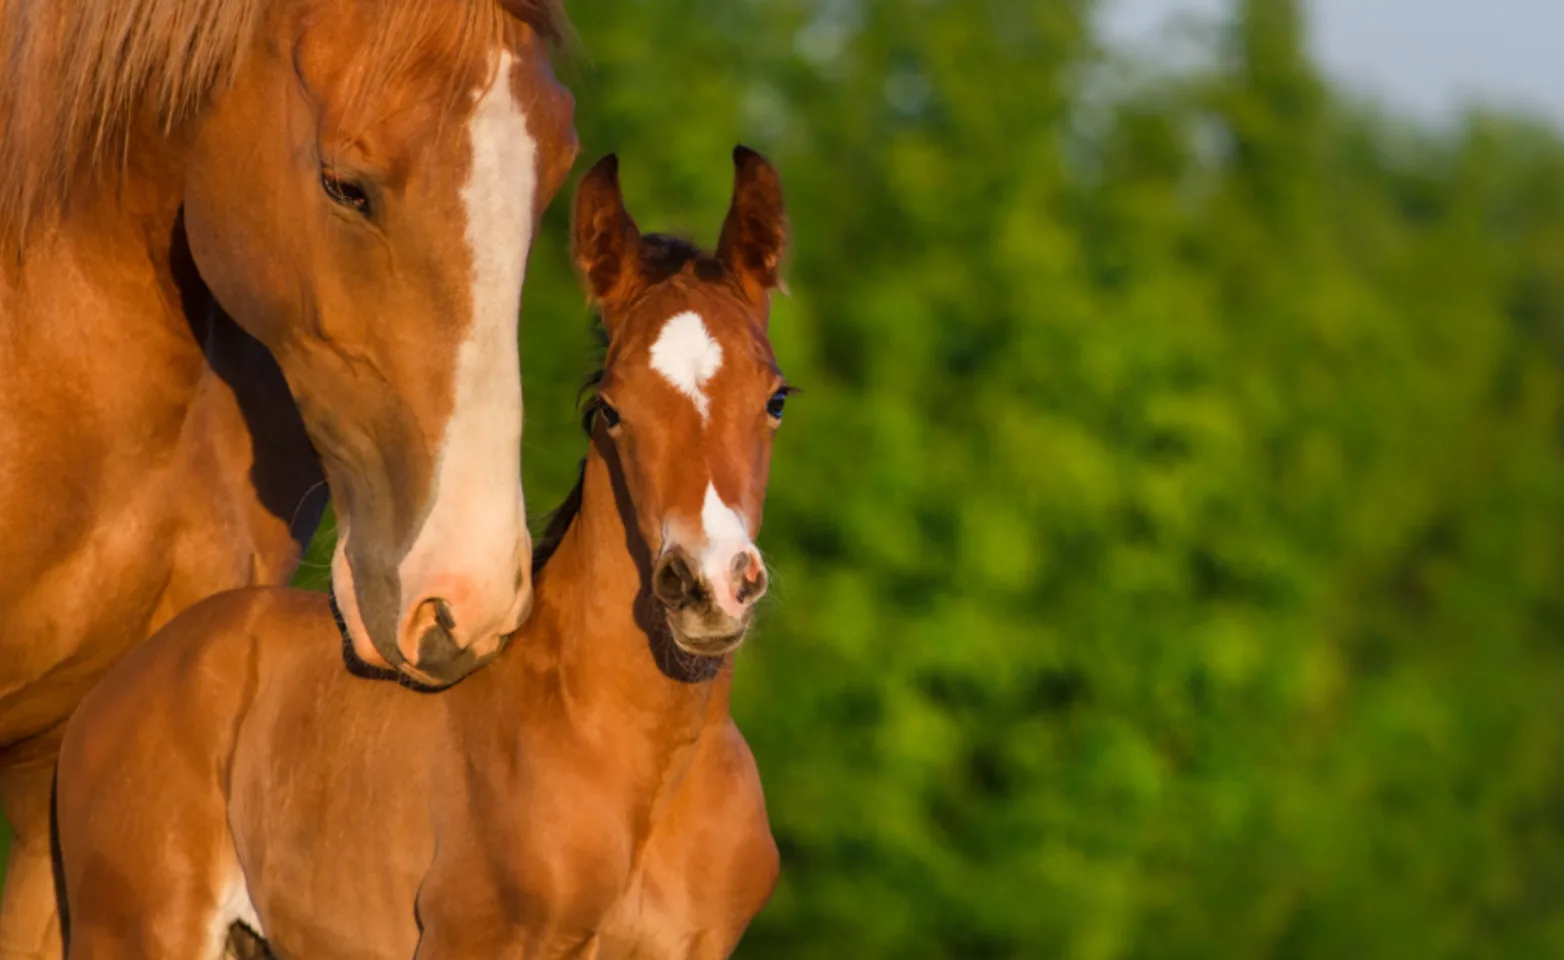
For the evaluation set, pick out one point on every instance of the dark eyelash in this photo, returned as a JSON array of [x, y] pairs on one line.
[[344, 192]]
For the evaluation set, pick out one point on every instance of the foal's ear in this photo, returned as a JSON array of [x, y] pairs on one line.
[[604, 240], [754, 235]]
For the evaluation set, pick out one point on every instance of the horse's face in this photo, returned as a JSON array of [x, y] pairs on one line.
[[691, 393], [363, 200]]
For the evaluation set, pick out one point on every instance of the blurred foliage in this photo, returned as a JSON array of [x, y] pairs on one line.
[[1169, 543]]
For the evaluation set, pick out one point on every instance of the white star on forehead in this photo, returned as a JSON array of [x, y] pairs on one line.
[[687, 356]]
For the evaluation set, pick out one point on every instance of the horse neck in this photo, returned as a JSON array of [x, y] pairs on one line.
[[119, 239], [593, 618]]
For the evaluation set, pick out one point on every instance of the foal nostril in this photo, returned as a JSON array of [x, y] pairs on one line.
[[749, 578], [674, 582]]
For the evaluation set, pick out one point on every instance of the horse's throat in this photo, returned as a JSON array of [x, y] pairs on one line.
[[613, 644]]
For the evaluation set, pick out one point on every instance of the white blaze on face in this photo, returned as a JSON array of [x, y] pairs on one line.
[[687, 357], [467, 550]]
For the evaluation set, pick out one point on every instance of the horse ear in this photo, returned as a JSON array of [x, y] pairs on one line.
[[604, 240], [754, 235]]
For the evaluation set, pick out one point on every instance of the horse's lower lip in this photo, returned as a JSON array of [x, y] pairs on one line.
[[708, 646], [423, 679]]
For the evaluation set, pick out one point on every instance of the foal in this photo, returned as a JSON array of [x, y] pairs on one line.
[[586, 795]]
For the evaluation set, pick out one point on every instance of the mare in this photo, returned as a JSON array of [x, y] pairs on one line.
[[244, 243], [587, 794]]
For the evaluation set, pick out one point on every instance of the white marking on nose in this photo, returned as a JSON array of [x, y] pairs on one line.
[[687, 357], [478, 519], [721, 522], [727, 536]]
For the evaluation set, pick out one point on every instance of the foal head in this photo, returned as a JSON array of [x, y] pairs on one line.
[[691, 392], [363, 199]]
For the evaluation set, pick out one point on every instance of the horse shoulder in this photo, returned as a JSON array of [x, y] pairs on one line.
[[182, 692], [712, 863], [738, 815]]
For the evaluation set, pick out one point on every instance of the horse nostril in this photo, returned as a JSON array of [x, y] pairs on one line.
[[436, 648], [674, 582], [433, 630], [442, 615], [749, 577]]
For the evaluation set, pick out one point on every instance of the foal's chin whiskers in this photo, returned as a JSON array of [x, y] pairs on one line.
[[687, 663]]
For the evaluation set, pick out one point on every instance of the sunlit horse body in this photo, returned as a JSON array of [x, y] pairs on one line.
[[211, 210], [585, 795]]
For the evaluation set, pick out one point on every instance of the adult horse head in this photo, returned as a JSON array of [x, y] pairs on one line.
[[360, 181]]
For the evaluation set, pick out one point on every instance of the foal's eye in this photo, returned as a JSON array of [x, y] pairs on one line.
[[776, 403], [344, 193], [610, 416]]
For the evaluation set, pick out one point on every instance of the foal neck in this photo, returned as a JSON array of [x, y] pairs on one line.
[[596, 618]]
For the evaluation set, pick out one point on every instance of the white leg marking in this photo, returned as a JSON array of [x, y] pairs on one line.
[[235, 907], [687, 356], [479, 515]]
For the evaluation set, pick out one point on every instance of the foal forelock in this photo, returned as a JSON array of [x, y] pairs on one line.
[[79, 77]]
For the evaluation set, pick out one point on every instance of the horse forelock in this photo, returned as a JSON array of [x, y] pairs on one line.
[[441, 52], [80, 78]]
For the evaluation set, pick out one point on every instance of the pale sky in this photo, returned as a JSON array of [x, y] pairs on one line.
[[1426, 56]]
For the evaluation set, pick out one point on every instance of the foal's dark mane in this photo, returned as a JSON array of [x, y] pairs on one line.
[[661, 257], [562, 516]]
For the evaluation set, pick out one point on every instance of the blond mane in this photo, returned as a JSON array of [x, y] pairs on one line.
[[82, 79]]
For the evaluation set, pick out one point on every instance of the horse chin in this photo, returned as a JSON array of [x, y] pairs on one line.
[[344, 608], [709, 647], [708, 637]]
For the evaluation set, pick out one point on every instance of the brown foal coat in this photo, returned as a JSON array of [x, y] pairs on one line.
[[586, 795]]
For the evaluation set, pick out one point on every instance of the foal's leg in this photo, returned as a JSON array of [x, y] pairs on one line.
[[29, 918], [176, 902], [148, 863], [244, 944]]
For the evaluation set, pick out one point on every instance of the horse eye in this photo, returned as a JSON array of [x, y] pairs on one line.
[[776, 403], [344, 193], [610, 416]]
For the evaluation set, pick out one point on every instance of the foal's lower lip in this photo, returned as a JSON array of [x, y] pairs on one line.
[[710, 650]]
